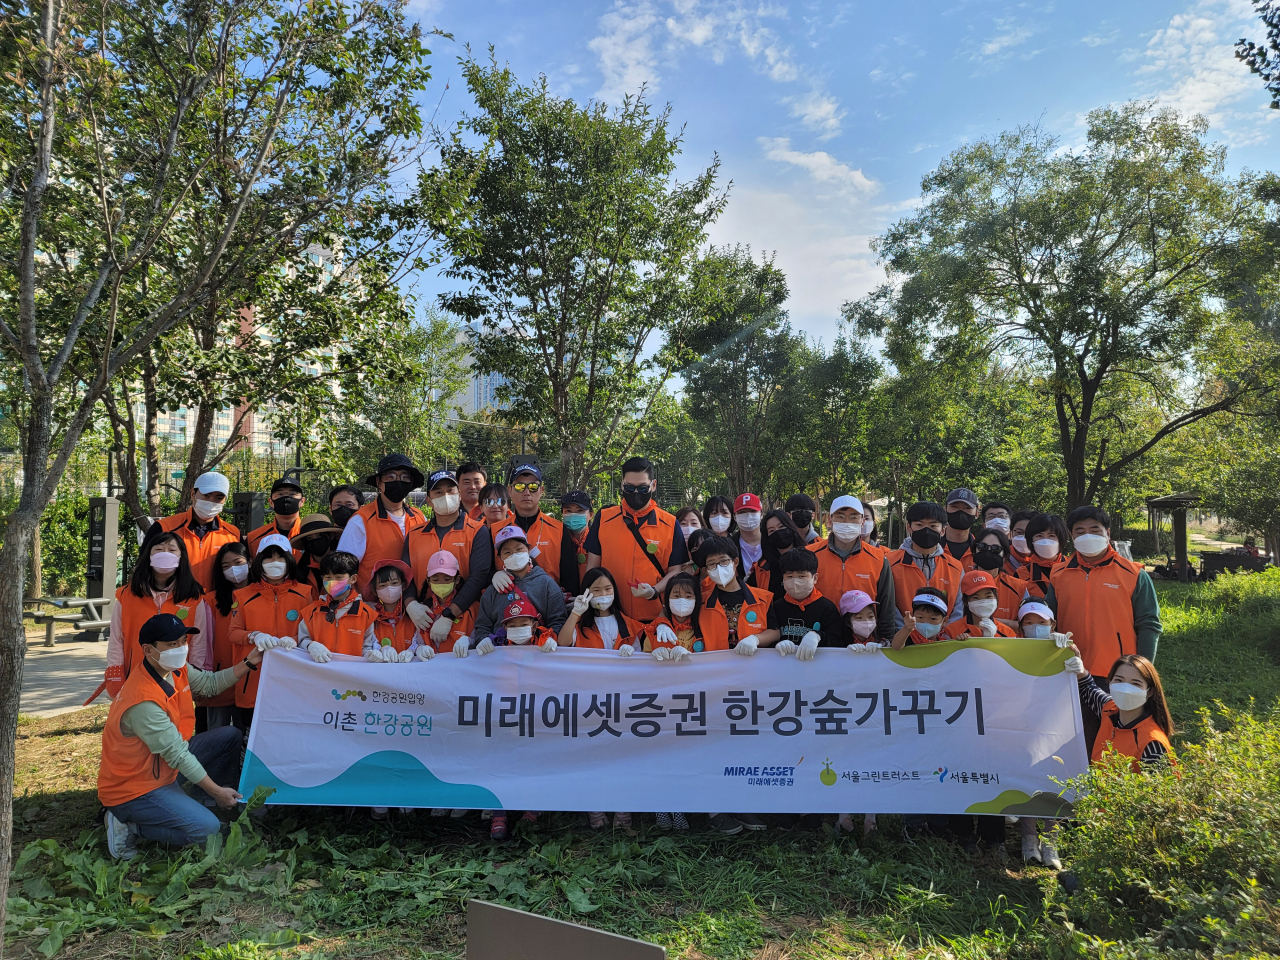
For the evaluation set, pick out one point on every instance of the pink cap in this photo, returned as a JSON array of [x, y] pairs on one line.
[[442, 561], [855, 600], [746, 501]]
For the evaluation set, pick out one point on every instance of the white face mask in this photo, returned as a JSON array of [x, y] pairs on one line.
[[719, 524], [1090, 543], [682, 606], [846, 532], [390, 592], [863, 628], [207, 509], [1128, 696], [237, 572], [1020, 544], [749, 520], [928, 630], [999, 523], [688, 528], [868, 527], [721, 573], [448, 504], [1047, 549], [602, 603], [275, 569], [516, 561], [519, 634], [983, 608], [165, 562], [173, 659]]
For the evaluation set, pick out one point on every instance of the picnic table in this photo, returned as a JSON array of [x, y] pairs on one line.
[[92, 615]]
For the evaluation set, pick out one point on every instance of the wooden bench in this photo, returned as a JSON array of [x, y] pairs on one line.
[[92, 615]]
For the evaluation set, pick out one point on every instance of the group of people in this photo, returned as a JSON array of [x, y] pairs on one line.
[[487, 567]]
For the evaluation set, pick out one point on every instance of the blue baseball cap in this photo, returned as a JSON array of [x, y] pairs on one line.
[[164, 628], [520, 468], [442, 475]]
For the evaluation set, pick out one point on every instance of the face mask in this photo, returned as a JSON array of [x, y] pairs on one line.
[[1037, 631], [448, 504], [846, 532], [797, 589], [983, 608], [638, 500], [1128, 696], [602, 603], [1090, 543], [207, 509], [575, 522], [988, 559], [516, 561], [165, 562], [999, 523], [237, 573], [442, 590], [959, 520], [688, 529], [275, 568], [928, 630], [519, 634], [286, 506], [802, 518], [719, 523], [781, 539], [925, 537], [390, 593], [868, 527], [681, 606], [1046, 549], [341, 515], [862, 628], [1020, 544], [396, 490], [335, 588], [749, 520], [721, 573], [173, 659]]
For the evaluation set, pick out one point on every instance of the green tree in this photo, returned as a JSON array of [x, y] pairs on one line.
[[1264, 58], [572, 244]]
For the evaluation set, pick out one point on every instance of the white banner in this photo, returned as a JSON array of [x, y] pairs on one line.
[[987, 726]]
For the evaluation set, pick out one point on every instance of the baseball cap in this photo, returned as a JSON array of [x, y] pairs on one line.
[[962, 495], [746, 501], [976, 580], [164, 628], [212, 482], [580, 497], [286, 483], [520, 468], [275, 540], [929, 600], [405, 570], [441, 475], [855, 600], [1039, 609], [840, 503], [442, 561], [520, 607], [509, 532]]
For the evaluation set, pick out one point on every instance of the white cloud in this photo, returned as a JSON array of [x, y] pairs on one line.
[[625, 50], [820, 165], [819, 112], [1097, 40], [1012, 36]]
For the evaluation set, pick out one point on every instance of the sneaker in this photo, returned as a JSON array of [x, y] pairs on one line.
[[845, 823], [498, 827], [121, 843], [404, 811], [439, 811], [664, 821], [598, 820], [622, 820], [458, 814], [868, 825], [1000, 853], [726, 823], [1031, 849], [1049, 854], [529, 816], [679, 822], [750, 821], [378, 813]]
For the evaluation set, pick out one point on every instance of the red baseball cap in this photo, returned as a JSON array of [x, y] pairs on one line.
[[746, 501], [520, 607], [976, 580]]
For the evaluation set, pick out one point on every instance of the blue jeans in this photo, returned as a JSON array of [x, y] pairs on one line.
[[166, 814]]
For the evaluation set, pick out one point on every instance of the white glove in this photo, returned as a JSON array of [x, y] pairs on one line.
[[461, 646], [580, 604], [440, 629], [502, 581], [784, 647], [988, 627], [406, 656], [418, 613], [662, 653], [644, 591], [374, 653], [626, 650], [871, 646], [747, 646], [665, 634], [550, 646], [858, 647], [484, 646], [319, 652], [264, 641], [1074, 665], [1063, 640], [677, 653], [424, 652], [808, 646], [286, 643]]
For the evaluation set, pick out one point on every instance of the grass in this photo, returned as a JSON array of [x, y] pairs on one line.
[[307, 883]]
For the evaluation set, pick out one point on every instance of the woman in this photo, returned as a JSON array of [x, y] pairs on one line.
[[780, 535], [162, 582], [717, 516], [870, 533], [493, 505], [1046, 534], [230, 573], [990, 552], [689, 521], [316, 536]]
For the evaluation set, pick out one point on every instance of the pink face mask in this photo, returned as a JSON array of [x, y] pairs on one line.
[[165, 562]]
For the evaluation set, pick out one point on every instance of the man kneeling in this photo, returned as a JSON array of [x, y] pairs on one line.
[[145, 748]]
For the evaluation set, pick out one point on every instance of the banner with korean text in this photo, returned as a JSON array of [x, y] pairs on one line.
[[989, 726]]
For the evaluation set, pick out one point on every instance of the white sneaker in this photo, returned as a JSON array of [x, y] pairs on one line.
[[458, 813], [379, 813], [439, 811], [1030, 849], [1049, 854], [121, 843]]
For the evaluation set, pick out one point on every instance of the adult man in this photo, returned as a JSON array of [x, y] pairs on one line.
[[847, 562], [145, 745], [286, 500], [467, 540], [548, 546], [638, 542], [344, 501], [472, 478], [922, 561], [202, 531], [380, 527], [803, 511], [996, 515], [962, 512], [747, 511]]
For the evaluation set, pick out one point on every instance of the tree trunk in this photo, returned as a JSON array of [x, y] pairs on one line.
[[151, 407], [37, 565], [198, 452]]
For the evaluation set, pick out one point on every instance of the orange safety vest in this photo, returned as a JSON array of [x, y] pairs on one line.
[[967, 560], [1128, 741], [464, 626], [908, 578], [962, 630], [426, 541], [1016, 562], [274, 608], [201, 552], [346, 633], [134, 612], [128, 769], [544, 541], [858, 571], [588, 638], [1095, 605], [255, 536], [394, 629], [382, 537], [622, 555], [691, 641], [223, 656], [753, 617], [1009, 591], [1036, 573]]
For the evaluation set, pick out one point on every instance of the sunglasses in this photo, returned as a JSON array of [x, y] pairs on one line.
[[526, 487], [495, 503], [634, 488]]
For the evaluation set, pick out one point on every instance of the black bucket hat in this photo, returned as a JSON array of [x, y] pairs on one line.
[[395, 461]]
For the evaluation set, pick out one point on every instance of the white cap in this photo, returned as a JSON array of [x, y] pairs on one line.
[[839, 503], [929, 600], [275, 540], [1036, 607], [212, 482]]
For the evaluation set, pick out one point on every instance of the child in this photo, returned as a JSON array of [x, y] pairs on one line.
[[981, 600], [922, 560], [677, 628], [858, 610], [528, 581], [339, 622], [444, 580], [395, 638], [230, 572], [596, 621], [806, 619], [924, 622]]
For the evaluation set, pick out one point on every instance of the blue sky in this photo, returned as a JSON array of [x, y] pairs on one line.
[[826, 115]]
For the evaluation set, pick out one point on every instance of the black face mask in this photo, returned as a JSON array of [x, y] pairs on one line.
[[396, 490], [959, 520], [638, 500], [341, 515], [925, 537], [802, 518], [781, 539], [318, 545], [988, 559], [286, 506]]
